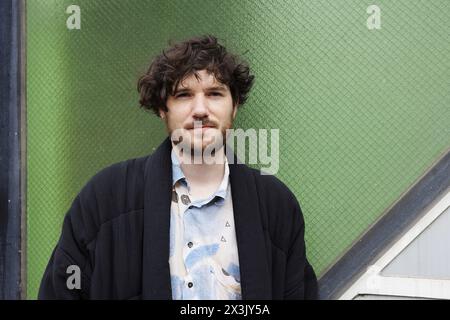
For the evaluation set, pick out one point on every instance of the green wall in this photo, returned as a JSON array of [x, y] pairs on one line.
[[362, 113]]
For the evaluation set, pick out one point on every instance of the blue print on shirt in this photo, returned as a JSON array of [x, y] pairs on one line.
[[203, 275], [177, 284], [200, 253], [233, 270], [172, 235]]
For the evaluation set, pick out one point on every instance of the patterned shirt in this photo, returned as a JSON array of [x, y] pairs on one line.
[[203, 258]]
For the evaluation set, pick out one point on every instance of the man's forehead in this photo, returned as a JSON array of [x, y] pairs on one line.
[[203, 79]]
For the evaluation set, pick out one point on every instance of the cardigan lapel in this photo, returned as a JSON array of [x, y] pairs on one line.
[[253, 263], [157, 193], [254, 269]]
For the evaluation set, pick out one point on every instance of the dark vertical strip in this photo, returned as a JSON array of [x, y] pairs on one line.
[[10, 116], [23, 144]]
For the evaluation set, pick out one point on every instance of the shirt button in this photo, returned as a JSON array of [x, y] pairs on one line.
[[190, 244], [185, 199], [190, 284]]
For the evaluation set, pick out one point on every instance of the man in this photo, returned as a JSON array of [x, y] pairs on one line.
[[174, 226]]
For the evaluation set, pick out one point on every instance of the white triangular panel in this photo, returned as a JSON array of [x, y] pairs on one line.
[[428, 255]]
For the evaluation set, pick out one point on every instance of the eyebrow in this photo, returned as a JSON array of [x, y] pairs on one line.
[[213, 88]]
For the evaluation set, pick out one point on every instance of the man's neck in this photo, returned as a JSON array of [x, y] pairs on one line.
[[203, 178]]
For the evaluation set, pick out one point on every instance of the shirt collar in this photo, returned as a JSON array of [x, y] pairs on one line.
[[177, 173]]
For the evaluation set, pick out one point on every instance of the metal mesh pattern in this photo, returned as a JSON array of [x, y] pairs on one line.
[[362, 113]]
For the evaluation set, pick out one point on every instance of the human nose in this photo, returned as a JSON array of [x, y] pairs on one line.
[[200, 106]]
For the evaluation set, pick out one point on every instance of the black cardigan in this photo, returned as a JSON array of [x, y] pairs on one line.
[[117, 233]]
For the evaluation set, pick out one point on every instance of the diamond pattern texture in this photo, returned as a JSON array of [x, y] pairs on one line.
[[362, 113]]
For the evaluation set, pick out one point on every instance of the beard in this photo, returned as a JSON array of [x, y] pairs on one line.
[[197, 145]]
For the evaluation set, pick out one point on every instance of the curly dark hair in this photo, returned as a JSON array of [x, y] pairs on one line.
[[186, 58]]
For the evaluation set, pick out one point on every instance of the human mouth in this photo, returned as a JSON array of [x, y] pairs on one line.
[[203, 128]]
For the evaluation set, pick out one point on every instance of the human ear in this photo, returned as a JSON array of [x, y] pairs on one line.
[[235, 110]]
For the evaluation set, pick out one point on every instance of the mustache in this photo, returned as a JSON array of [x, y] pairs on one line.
[[199, 124]]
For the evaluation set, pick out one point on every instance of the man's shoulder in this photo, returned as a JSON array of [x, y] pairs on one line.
[[121, 174], [114, 190], [118, 175], [279, 209]]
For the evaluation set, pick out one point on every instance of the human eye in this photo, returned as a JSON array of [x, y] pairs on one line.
[[216, 94], [181, 95]]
